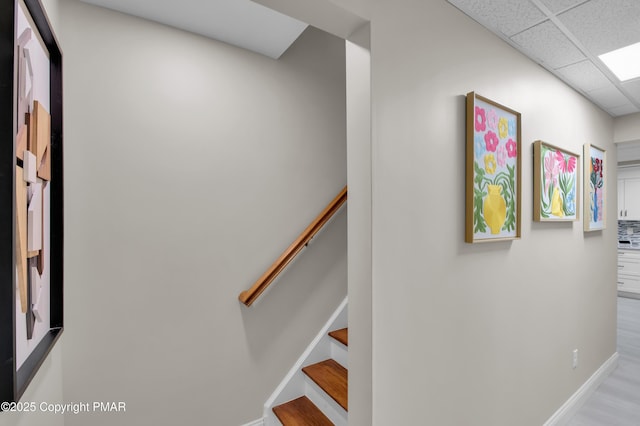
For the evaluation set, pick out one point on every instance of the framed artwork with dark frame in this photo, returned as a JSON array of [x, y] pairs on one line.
[[556, 184], [595, 188], [493, 164], [31, 190]]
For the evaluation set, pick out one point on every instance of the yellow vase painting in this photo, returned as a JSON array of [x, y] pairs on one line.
[[495, 208], [493, 171], [556, 203]]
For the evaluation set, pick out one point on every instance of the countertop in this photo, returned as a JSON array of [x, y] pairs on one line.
[[634, 247]]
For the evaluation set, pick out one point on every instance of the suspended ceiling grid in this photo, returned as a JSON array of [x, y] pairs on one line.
[[566, 37]]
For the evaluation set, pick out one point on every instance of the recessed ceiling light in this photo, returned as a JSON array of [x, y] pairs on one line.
[[623, 62]]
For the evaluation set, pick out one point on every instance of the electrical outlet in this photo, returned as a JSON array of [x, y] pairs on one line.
[[575, 358]]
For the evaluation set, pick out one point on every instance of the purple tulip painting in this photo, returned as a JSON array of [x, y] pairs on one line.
[[594, 188]]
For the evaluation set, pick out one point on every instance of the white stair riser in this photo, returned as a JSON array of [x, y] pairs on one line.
[[325, 403], [339, 353], [296, 383]]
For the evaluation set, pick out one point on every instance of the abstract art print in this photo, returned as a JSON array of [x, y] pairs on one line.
[[594, 188], [556, 177], [493, 163], [31, 250]]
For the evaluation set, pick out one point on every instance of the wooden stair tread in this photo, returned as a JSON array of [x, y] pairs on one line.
[[341, 336], [301, 412], [331, 377]]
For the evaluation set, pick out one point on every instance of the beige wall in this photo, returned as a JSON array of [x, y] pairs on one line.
[[472, 334], [627, 128], [475, 334], [359, 252], [189, 166]]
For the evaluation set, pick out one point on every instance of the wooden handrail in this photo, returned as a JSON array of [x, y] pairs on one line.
[[249, 296]]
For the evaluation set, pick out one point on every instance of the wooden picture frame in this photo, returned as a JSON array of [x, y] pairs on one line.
[[31, 190], [595, 188], [556, 184], [493, 171]]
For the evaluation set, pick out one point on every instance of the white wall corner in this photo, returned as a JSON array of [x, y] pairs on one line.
[[627, 128], [569, 409], [258, 422]]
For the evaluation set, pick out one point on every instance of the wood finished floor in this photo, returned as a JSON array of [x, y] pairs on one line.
[[617, 401]]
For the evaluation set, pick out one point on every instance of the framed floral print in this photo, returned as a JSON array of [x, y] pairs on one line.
[[556, 183], [594, 188], [493, 163]]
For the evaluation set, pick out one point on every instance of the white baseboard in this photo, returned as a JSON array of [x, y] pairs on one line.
[[566, 412], [259, 422]]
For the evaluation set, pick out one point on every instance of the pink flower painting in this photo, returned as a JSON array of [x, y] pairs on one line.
[[551, 171], [501, 155], [481, 120], [566, 164], [491, 140], [492, 119], [557, 173], [496, 171], [512, 148]]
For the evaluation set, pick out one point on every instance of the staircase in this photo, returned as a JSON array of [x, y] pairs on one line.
[[315, 392]]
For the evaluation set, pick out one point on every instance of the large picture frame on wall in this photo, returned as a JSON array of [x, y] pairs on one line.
[[31, 190], [493, 169], [595, 188], [556, 184]]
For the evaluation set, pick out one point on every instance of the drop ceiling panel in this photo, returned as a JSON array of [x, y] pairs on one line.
[[242, 23], [547, 43], [584, 75], [604, 25], [609, 97], [507, 16], [623, 110], [560, 5], [566, 37], [633, 87]]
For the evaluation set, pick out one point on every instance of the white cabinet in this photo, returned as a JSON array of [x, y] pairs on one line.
[[629, 199], [629, 271], [620, 199]]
